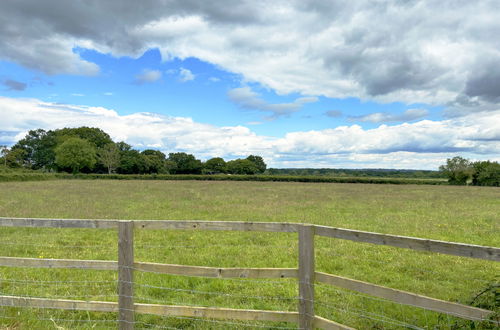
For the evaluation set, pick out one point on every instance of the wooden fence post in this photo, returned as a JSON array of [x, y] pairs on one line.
[[125, 275], [306, 276]]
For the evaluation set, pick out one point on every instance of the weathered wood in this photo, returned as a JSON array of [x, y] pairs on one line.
[[405, 298], [306, 277], [322, 323], [413, 243], [216, 271], [97, 306], [58, 263], [217, 313], [217, 225], [126, 275], [58, 223]]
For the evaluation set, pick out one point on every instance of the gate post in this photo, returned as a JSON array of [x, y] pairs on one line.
[[125, 275], [306, 276]]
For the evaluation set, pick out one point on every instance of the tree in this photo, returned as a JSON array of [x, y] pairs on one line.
[[259, 163], [109, 156], [5, 152], [458, 170], [15, 158], [486, 173], [75, 154], [39, 147], [241, 166], [215, 165], [131, 162], [185, 163], [155, 161], [94, 135]]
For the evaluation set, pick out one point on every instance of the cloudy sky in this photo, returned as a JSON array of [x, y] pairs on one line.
[[341, 84]]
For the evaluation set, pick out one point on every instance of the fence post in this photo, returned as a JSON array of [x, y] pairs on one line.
[[125, 275], [306, 276]]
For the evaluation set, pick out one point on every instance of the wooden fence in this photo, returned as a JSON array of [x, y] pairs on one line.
[[305, 273]]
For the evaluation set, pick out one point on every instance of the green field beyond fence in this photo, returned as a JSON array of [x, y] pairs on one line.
[[460, 214]]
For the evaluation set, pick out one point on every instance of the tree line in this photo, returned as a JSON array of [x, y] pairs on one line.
[[91, 150], [462, 171]]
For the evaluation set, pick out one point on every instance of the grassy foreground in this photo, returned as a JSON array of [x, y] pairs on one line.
[[462, 214]]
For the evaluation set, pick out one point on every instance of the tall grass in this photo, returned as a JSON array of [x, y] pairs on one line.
[[462, 214]]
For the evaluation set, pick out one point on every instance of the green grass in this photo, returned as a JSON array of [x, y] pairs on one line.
[[461, 214]]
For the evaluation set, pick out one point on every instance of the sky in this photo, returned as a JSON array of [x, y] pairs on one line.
[[322, 84]]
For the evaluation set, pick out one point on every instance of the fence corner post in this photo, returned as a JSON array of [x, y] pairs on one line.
[[125, 275], [306, 276]]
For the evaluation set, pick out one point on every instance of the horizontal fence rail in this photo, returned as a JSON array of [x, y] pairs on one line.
[[305, 273]]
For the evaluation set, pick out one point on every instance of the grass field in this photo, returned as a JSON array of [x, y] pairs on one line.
[[461, 214]]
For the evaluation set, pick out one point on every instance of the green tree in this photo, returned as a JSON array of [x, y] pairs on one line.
[[486, 173], [131, 162], [185, 163], [109, 156], [259, 163], [39, 146], [458, 170], [215, 165], [75, 154], [15, 158], [5, 152], [155, 161], [94, 135], [241, 166]]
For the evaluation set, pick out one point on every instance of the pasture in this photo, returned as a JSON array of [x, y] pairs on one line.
[[460, 214]]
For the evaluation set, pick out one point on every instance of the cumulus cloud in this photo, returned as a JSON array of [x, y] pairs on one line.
[[385, 51], [246, 98], [14, 85], [385, 117], [148, 76], [185, 75], [425, 144]]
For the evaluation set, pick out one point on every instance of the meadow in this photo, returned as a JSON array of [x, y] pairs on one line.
[[452, 213]]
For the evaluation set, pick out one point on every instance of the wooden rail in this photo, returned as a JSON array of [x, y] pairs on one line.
[[305, 273]]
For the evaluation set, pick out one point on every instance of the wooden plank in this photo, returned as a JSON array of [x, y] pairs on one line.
[[97, 306], [306, 277], [217, 225], [58, 263], [217, 313], [405, 298], [58, 223], [217, 272], [322, 323], [126, 275], [413, 243]]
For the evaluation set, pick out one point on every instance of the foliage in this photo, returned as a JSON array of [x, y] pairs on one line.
[[486, 173], [258, 162], [458, 170], [241, 166], [215, 165], [15, 158], [131, 161], [342, 172], [75, 154], [154, 161], [483, 173], [185, 163], [94, 135], [39, 147], [109, 156]]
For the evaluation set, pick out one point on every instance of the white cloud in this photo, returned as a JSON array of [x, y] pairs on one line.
[[421, 145], [148, 76], [246, 98], [385, 51], [385, 117], [185, 75]]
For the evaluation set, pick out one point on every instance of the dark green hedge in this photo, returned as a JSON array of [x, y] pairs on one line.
[[280, 178]]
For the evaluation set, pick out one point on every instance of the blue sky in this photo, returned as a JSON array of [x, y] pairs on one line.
[[341, 86]]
